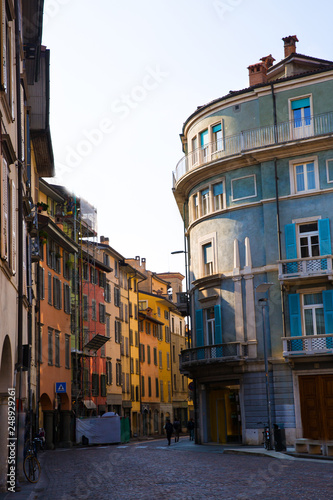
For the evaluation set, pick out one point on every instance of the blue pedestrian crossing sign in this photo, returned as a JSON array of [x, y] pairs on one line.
[[60, 387]]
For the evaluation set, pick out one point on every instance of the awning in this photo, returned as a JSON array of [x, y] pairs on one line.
[[88, 403], [96, 342]]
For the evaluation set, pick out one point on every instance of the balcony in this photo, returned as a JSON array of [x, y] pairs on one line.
[[249, 140], [182, 303], [295, 269], [232, 351], [310, 345]]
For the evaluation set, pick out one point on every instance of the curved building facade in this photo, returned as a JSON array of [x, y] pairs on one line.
[[255, 190]]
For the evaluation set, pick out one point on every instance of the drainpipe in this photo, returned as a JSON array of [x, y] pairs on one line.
[[278, 210]]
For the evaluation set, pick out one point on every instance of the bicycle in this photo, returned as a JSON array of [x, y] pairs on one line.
[[266, 437], [31, 465]]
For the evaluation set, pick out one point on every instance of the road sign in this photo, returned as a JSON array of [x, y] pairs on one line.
[[60, 387]]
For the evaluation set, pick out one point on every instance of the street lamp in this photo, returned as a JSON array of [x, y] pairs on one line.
[[263, 288]]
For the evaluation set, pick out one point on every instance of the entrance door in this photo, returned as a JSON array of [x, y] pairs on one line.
[[316, 395]]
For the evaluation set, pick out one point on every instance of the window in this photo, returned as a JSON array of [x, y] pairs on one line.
[[85, 307], [301, 118], [101, 279], [167, 334], [131, 337], [195, 206], [174, 354], [49, 288], [161, 391], [148, 354], [41, 286], [127, 383], [160, 359], [103, 385], [137, 366], [218, 196], [205, 208], [85, 272], [149, 387], [107, 293], [142, 386], [135, 311], [126, 313], [127, 346], [57, 302], [95, 384], [117, 329], [132, 365], [67, 351], [142, 353], [130, 310], [208, 259], [57, 349], [194, 150], [117, 297], [108, 323], [116, 268], [67, 298], [102, 317], [136, 393], [169, 391], [93, 310], [166, 314], [175, 382], [147, 328], [108, 372], [329, 170], [305, 177], [168, 361], [106, 259], [136, 339], [311, 314], [308, 238], [217, 138], [204, 145], [156, 387], [118, 373], [50, 346], [159, 312], [155, 356], [208, 326]]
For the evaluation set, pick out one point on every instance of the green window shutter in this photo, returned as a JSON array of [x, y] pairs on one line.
[[199, 328], [324, 237], [290, 236], [218, 324], [328, 310], [295, 315]]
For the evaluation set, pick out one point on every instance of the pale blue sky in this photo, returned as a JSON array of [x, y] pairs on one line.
[[125, 75]]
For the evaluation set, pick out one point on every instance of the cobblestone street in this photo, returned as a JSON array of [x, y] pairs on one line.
[[180, 471]]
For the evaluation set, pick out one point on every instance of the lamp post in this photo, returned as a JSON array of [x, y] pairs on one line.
[[263, 288]]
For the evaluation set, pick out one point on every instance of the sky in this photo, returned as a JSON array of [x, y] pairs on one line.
[[125, 75]]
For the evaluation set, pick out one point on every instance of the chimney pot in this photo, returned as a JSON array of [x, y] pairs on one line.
[[257, 74], [289, 45]]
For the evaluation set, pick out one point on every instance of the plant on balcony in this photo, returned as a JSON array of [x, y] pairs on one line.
[[42, 207], [42, 237]]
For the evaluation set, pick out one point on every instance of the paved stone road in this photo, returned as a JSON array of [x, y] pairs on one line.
[[150, 470]]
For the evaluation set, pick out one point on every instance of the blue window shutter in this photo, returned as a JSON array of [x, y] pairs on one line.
[[324, 237], [199, 328], [216, 128], [328, 310], [218, 325], [218, 189], [290, 235], [300, 103], [203, 136], [295, 315]]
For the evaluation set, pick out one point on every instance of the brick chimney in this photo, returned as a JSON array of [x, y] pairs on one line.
[[289, 45], [257, 74]]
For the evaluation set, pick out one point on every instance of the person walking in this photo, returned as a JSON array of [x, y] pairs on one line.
[[169, 430], [176, 426], [190, 428]]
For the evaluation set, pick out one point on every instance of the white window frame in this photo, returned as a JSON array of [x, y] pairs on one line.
[[328, 172], [244, 197], [292, 174], [196, 200], [312, 307], [300, 132], [205, 240]]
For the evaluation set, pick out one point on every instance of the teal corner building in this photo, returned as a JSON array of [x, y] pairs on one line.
[[255, 191]]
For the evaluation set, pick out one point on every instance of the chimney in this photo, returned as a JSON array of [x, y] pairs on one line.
[[143, 263], [257, 74], [289, 45], [268, 61]]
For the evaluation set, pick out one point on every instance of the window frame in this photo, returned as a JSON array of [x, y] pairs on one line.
[[197, 202], [296, 132], [203, 242], [292, 174]]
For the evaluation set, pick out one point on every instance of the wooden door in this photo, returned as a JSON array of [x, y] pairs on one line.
[[316, 395]]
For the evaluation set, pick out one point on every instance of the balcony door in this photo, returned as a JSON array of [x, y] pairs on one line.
[[302, 122], [316, 397]]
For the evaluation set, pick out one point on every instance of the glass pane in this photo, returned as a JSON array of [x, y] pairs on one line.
[[310, 176], [320, 323], [297, 118], [313, 298], [307, 115], [308, 228], [300, 178], [314, 246], [304, 247], [308, 322]]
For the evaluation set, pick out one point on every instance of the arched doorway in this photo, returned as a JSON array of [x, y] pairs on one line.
[[6, 382]]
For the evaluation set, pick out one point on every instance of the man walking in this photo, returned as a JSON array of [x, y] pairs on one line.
[[176, 426], [169, 430], [190, 428]]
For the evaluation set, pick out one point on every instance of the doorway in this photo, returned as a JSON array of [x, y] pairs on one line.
[[316, 397]]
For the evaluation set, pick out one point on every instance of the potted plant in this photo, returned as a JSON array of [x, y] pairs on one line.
[[42, 207], [42, 237]]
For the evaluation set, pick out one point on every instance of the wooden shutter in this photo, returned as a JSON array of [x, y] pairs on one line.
[[324, 237], [199, 328], [4, 46], [13, 263], [218, 324], [328, 315], [290, 236], [295, 321], [4, 211], [25, 289]]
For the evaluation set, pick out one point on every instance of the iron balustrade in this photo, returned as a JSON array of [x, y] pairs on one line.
[[284, 132], [217, 352], [308, 266], [308, 345]]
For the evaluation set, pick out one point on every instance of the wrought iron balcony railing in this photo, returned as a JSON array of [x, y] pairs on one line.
[[316, 126], [218, 352], [307, 267], [307, 345]]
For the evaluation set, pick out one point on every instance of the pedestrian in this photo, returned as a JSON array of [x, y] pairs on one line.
[[190, 428], [169, 430], [176, 426]]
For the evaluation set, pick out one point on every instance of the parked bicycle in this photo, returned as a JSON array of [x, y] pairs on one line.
[[31, 465], [266, 436]]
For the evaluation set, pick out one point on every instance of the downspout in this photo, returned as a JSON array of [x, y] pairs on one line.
[[20, 222], [278, 210]]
